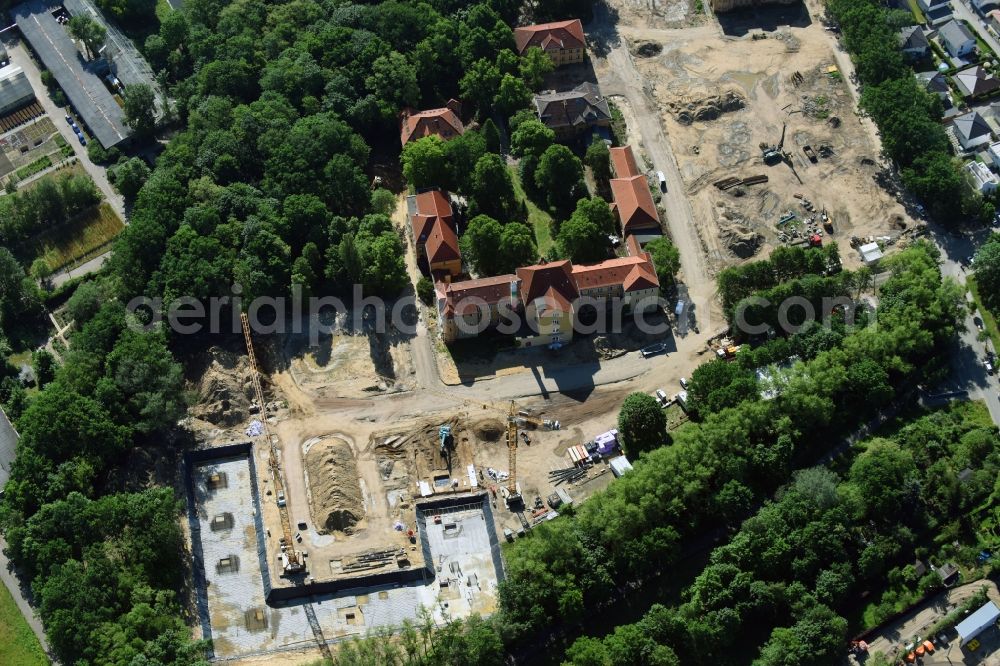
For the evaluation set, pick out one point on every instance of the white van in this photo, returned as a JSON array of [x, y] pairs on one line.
[[663, 181]]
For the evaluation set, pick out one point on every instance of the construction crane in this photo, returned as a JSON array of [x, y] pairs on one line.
[[292, 561], [515, 418]]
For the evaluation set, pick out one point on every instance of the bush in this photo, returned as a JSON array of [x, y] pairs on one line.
[[425, 291]]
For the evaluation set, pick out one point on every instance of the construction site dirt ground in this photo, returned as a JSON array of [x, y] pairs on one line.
[[721, 96]]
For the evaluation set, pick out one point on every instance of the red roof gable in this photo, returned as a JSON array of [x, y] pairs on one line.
[[552, 281], [442, 244], [553, 36], [631, 273], [430, 206], [443, 122], [634, 204], [463, 297], [623, 162]]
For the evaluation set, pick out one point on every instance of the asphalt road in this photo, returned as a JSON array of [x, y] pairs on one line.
[[968, 367]]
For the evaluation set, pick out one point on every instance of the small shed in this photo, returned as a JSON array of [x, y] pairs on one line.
[[978, 622], [870, 253], [948, 573], [619, 465]]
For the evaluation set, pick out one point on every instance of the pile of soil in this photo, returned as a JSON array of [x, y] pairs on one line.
[[687, 110], [739, 239], [646, 49], [225, 390], [335, 494], [489, 430]]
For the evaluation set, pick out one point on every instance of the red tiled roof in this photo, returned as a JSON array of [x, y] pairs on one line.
[[552, 281], [430, 206], [634, 204], [442, 244], [550, 36], [623, 161], [461, 298], [633, 246], [630, 272], [443, 122]]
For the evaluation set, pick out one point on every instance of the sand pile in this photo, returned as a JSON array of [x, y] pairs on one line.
[[335, 494], [225, 391], [687, 109]]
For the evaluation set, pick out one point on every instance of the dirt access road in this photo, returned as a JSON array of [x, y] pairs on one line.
[[621, 77]]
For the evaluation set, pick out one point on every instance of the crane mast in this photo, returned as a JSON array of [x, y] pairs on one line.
[[291, 559]]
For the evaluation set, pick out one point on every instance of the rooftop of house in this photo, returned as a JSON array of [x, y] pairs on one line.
[[428, 207], [971, 126], [465, 297], [623, 162], [550, 36], [933, 81], [976, 80], [552, 282], [419, 124], [955, 33], [913, 37], [632, 273], [981, 174], [8, 446], [583, 105], [442, 243], [634, 203]]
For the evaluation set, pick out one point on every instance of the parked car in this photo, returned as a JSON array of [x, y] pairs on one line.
[[989, 366], [661, 397], [653, 350], [83, 142], [663, 181], [978, 322], [684, 383]]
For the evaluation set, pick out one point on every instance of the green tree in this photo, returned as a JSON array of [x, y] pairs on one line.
[[596, 211], [560, 177], [383, 201], [535, 66], [140, 109], [425, 290], [987, 272], [393, 80], [145, 381], [531, 138], [492, 189], [88, 31], [598, 158], [517, 247], [480, 244], [129, 176], [642, 425], [512, 95], [666, 259], [385, 270], [582, 241], [425, 163], [480, 84], [44, 365], [491, 135], [85, 302]]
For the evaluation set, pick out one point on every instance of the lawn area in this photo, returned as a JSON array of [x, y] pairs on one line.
[[80, 239], [989, 320], [18, 645], [540, 221]]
